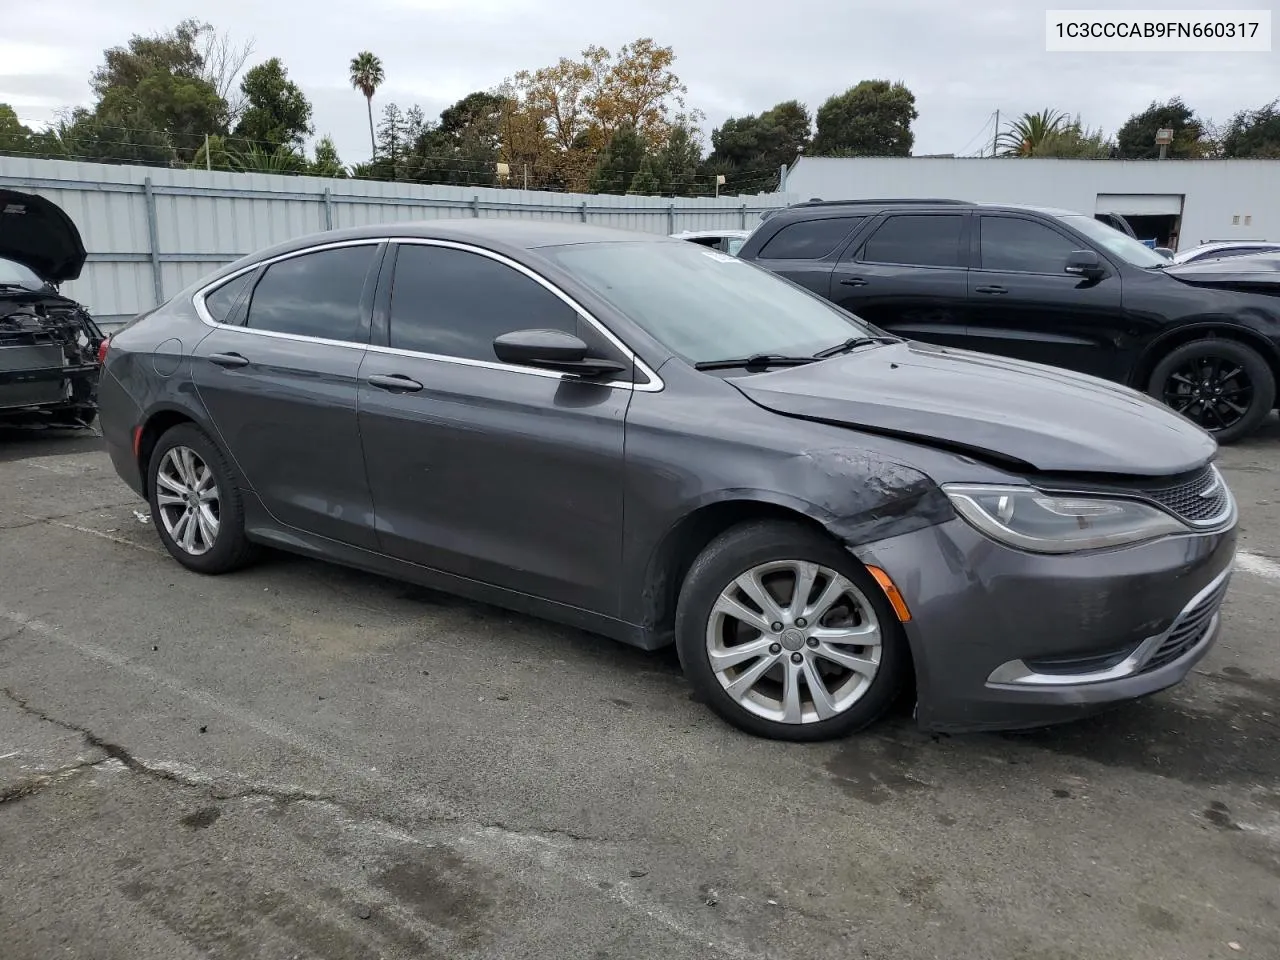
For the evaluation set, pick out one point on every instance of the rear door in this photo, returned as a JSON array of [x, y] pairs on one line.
[[804, 251], [1023, 305], [908, 275], [278, 378]]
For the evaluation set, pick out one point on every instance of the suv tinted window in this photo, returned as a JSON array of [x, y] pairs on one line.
[[808, 239], [219, 302], [314, 295], [1009, 243], [453, 303], [927, 240]]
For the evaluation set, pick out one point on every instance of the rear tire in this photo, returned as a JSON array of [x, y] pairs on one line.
[[196, 504], [1210, 381], [777, 672]]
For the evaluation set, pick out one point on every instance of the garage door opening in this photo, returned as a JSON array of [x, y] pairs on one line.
[[1155, 218]]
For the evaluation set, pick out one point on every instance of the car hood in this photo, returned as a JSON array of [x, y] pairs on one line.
[[1254, 271], [1037, 417], [38, 234]]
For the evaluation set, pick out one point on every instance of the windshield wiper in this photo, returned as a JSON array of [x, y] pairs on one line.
[[757, 361], [853, 343]]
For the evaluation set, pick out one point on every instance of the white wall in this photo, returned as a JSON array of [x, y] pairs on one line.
[[1214, 190]]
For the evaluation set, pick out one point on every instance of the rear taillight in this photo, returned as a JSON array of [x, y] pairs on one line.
[[102, 350]]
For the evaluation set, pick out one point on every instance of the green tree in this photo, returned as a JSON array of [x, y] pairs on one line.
[[676, 164], [276, 111], [750, 150], [366, 75], [15, 137], [1073, 141], [326, 162], [871, 119], [1136, 140], [619, 163], [119, 130], [213, 155], [259, 159], [154, 88], [1254, 133], [1022, 137], [645, 182], [391, 143]]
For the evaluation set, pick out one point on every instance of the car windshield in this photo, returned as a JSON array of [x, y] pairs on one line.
[[13, 273], [1119, 244], [705, 305]]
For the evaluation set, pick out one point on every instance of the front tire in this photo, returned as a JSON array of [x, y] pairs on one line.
[[195, 502], [816, 666], [1221, 385]]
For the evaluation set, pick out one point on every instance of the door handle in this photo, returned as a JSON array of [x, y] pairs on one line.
[[395, 383], [990, 289], [228, 360], [853, 282]]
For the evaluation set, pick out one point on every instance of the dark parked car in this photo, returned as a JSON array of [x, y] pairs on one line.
[[1049, 286], [48, 342], [659, 442]]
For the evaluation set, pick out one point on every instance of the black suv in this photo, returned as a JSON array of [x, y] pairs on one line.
[[1049, 286]]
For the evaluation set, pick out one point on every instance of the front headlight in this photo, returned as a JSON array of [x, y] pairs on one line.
[[1039, 522]]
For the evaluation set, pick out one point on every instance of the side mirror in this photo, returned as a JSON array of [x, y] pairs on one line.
[[1084, 263], [552, 350]]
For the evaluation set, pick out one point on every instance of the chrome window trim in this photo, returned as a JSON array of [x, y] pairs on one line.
[[654, 384]]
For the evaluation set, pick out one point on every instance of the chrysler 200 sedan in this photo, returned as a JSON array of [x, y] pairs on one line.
[[658, 442]]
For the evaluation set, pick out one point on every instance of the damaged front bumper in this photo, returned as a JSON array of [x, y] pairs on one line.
[[1004, 639], [48, 364]]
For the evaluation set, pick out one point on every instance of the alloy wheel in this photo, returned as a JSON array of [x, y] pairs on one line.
[[188, 499], [1214, 392], [794, 642]]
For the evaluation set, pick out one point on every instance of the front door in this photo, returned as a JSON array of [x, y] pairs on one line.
[[279, 383], [1023, 305], [908, 277], [506, 475]]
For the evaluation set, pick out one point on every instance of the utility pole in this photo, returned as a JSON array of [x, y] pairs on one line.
[[208, 161], [995, 137], [526, 176]]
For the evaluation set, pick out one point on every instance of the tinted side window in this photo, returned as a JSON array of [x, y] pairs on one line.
[[927, 240], [453, 303], [219, 302], [809, 239], [1023, 245], [314, 295]]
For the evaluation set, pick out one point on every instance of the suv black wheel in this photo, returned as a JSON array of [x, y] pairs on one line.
[[195, 502], [1222, 385], [787, 636]]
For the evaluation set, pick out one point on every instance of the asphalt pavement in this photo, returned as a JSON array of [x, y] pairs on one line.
[[301, 761]]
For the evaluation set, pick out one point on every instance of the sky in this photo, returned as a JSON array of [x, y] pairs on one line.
[[963, 61]]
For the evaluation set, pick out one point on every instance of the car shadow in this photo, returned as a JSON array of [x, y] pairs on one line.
[[20, 442]]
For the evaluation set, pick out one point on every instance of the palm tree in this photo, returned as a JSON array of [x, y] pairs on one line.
[[367, 76], [1031, 130]]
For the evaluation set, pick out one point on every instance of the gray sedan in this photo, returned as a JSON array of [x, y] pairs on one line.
[[658, 442]]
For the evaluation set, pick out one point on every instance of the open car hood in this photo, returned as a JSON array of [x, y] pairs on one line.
[[38, 234], [1254, 271], [1027, 415]]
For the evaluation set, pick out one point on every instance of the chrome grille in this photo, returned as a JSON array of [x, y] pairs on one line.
[[1188, 630], [1188, 499]]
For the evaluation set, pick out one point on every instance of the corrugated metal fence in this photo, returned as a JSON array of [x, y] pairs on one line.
[[151, 231]]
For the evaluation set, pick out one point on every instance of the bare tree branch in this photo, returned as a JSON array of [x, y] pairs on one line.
[[223, 62]]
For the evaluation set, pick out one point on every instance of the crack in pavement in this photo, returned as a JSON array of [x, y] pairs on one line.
[[115, 752], [118, 753], [35, 784]]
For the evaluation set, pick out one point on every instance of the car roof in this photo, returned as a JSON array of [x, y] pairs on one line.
[[496, 232], [834, 206]]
